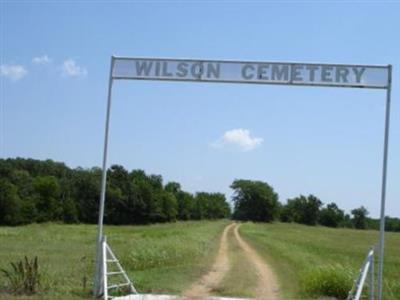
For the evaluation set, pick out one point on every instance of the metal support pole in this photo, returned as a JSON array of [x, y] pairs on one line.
[[104, 265], [98, 288], [383, 193]]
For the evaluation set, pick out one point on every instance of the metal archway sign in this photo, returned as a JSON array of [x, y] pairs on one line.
[[250, 72]]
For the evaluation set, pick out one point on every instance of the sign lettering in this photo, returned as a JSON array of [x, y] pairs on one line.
[[251, 72]]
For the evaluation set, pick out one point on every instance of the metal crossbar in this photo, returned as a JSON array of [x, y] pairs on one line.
[[367, 267], [110, 258]]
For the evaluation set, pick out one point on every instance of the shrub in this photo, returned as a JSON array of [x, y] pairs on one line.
[[332, 281], [23, 277]]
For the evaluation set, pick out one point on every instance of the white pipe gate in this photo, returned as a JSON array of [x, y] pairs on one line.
[[367, 268], [250, 72], [108, 257]]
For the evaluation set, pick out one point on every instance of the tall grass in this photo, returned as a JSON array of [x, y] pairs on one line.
[[159, 258], [315, 261], [332, 280], [168, 258], [23, 277]]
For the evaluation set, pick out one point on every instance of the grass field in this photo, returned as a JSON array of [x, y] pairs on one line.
[[168, 258], [160, 258], [295, 251]]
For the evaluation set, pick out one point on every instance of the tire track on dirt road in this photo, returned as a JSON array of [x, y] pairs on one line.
[[267, 287], [202, 288]]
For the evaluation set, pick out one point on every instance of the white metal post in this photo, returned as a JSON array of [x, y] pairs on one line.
[[363, 276], [98, 289], [383, 193], [371, 278], [104, 265]]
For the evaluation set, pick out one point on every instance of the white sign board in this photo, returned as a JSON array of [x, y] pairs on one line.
[[361, 76]]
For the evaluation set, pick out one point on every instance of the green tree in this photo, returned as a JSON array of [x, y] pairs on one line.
[[9, 204], [169, 207], [254, 200], [86, 192], [69, 211], [184, 199], [359, 219], [185, 205], [173, 187], [331, 215], [198, 208], [211, 206], [41, 191], [303, 210], [47, 202], [23, 182], [392, 224], [117, 207]]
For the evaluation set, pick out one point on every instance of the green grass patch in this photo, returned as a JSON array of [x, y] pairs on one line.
[[311, 261], [163, 258], [333, 281]]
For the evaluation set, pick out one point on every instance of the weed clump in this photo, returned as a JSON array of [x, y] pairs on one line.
[[23, 277], [331, 281]]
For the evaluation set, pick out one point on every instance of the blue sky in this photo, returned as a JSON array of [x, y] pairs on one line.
[[326, 141]]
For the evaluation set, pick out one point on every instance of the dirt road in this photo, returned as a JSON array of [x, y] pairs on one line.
[[202, 288], [266, 288]]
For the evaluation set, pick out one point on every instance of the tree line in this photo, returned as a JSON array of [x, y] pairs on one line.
[[257, 201], [47, 191]]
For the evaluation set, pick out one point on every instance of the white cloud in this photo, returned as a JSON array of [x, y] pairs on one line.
[[41, 60], [70, 68], [238, 138], [14, 72]]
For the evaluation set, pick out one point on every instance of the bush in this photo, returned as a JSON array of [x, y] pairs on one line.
[[23, 277], [331, 281]]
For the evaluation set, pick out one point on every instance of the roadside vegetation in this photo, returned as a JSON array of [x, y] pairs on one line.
[[313, 261], [310, 261], [163, 258]]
